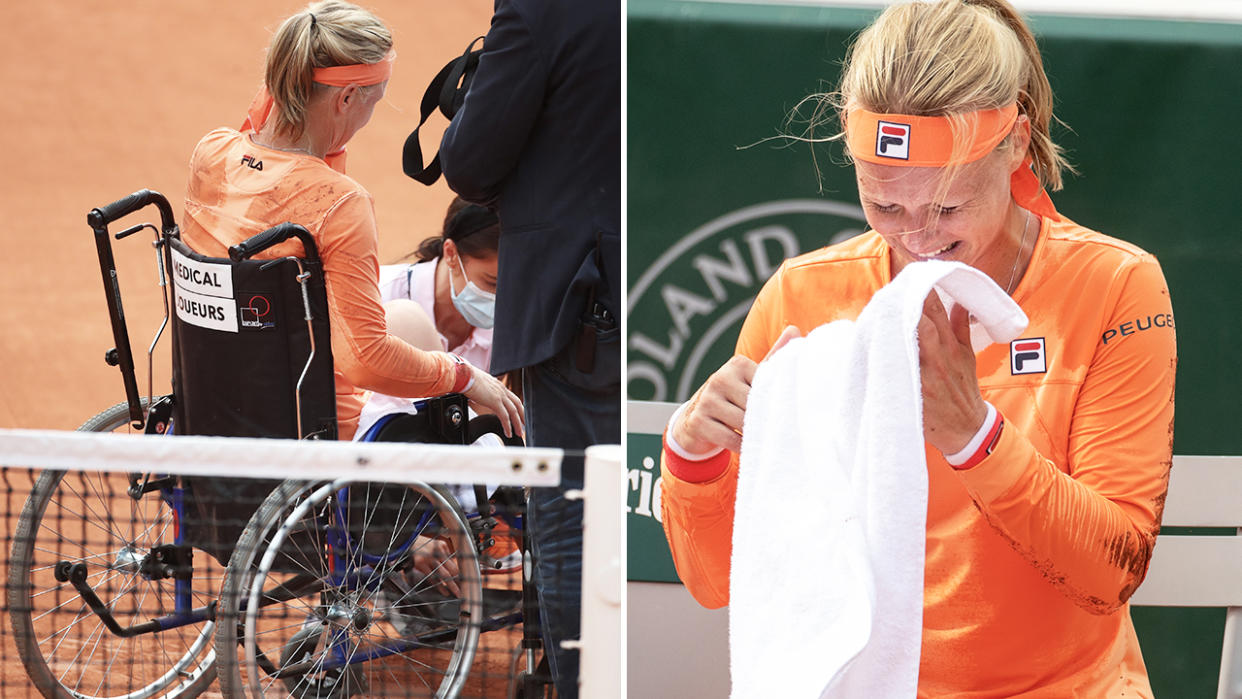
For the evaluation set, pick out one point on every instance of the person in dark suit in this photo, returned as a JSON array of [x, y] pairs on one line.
[[538, 138]]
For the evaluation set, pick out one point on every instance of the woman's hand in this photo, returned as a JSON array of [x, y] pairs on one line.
[[953, 409], [713, 417], [489, 395], [434, 563]]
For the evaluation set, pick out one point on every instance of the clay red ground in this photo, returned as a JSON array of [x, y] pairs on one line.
[[104, 98]]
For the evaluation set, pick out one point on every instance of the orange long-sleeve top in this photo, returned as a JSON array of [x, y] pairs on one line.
[[1033, 553], [239, 188]]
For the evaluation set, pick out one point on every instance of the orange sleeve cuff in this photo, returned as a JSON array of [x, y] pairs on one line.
[[1001, 470], [708, 469]]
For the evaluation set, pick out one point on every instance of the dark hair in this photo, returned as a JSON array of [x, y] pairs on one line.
[[474, 229]]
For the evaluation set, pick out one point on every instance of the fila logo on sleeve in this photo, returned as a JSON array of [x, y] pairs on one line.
[[1027, 356], [892, 140]]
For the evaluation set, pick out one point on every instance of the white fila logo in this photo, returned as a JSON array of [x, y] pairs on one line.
[[892, 140], [1027, 356]]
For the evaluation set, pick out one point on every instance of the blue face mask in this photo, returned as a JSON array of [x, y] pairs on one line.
[[478, 307]]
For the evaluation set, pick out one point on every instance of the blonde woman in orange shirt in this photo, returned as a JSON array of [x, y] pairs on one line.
[[327, 68], [1047, 459]]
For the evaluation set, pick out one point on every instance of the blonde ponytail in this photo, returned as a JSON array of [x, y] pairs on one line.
[[1034, 98], [327, 33]]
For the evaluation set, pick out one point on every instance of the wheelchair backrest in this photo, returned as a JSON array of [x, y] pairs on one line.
[[241, 343]]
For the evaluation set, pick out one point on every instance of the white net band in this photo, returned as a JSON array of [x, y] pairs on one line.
[[226, 457]]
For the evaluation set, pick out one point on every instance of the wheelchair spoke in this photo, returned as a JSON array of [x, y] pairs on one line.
[[88, 518], [62, 539], [314, 556], [85, 611], [89, 662], [89, 642], [83, 614], [351, 629], [50, 568], [140, 603], [107, 515], [100, 559], [75, 598]]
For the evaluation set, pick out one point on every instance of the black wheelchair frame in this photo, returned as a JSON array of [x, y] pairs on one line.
[[323, 657]]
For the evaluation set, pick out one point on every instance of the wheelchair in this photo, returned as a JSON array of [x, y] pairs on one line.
[[154, 585]]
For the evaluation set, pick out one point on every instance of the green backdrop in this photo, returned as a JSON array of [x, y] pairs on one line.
[[1150, 112]]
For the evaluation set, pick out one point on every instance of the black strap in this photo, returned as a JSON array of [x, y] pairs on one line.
[[447, 91]]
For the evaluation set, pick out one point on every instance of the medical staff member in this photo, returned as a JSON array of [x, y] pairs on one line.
[[1048, 459], [454, 281], [447, 301], [327, 68]]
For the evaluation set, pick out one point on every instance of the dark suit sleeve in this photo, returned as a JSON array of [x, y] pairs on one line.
[[485, 139]]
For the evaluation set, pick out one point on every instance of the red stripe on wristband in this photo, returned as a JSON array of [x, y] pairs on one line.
[[989, 443], [708, 469], [463, 374]]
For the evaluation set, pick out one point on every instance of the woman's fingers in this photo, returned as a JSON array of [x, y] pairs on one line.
[[959, 322], [712, 422], [511, 418], [488, 394], [953, 407], [517, 416], [713, 417]]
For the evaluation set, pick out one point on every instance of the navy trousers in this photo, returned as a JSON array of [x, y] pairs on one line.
[[567, 408]]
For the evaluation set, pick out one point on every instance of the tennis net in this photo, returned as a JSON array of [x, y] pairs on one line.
[[152, 566]]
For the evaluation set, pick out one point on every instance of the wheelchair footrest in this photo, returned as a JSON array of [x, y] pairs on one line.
[[76, 574]]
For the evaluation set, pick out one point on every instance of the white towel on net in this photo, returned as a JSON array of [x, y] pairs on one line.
[[826, 586]]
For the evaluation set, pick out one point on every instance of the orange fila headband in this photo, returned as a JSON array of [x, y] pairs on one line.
[[363, 74], [358, 74], [925, 141], [931, 141]]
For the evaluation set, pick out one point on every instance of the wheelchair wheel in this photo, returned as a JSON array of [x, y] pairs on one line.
[[321, 598], [88, 519]]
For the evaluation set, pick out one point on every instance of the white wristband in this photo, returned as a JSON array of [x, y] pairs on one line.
[[679, 450], [959, 458]]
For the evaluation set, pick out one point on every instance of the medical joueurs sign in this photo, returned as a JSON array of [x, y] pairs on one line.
[[203, 293], [685, 310]]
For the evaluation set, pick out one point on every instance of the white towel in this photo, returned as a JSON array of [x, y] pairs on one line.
[[826, 586]]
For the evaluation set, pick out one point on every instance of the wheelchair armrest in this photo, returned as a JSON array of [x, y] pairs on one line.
[[484, 424]]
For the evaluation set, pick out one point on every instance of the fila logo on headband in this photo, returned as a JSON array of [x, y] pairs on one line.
[[892, 140], [1026, 356]]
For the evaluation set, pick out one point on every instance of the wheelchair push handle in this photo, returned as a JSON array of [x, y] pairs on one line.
[[100, 217], [274, 236]]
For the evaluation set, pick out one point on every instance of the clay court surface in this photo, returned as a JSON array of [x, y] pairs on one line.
[[104, 98]]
